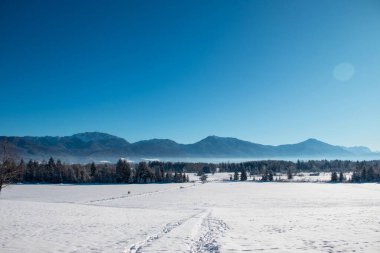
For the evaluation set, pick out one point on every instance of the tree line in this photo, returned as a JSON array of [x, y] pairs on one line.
[[280, 166], [364, 171], [122, 172], [175, 172]]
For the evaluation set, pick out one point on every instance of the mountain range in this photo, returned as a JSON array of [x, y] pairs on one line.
[[95, 146]]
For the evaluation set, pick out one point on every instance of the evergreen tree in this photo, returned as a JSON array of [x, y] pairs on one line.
[[236, 176], [289, 173], [59, 170], [370, 175], [334, 177], [123, 171], [270, 175], [355, 177], [341, 177], [299, 166], [29, 173], [364, 175], [158, 175], [243, 175], [143, 173], [20, 171], [176, 177], [206, 169], [264, 177], [92, 170], [49, 171]]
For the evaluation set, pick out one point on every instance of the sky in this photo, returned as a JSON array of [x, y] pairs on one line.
[[270, 72]]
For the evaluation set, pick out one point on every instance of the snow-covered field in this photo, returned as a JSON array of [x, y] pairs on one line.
[[212, 217]]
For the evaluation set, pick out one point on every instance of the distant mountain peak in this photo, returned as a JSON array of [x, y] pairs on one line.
[[215, 137], [158, 141], [210, 137], [95, 136], [313, 140]]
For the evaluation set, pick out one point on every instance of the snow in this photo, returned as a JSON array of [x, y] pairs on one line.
[[218, 216]]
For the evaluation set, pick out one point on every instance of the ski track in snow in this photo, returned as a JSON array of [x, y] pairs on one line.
[[138, 195], [138, 247], [205, 233], [211, 228]]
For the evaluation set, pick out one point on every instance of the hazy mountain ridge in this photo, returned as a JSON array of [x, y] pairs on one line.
[[97, 146]]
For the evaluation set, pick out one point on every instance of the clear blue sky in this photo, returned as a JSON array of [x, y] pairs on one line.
[[271, 72]]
